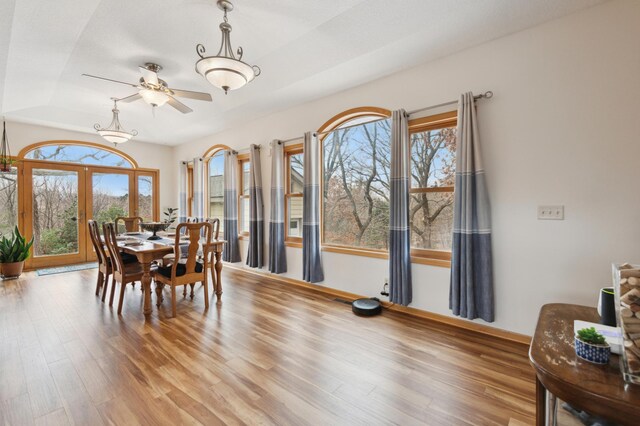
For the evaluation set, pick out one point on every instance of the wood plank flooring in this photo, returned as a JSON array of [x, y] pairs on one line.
[[267, 354]]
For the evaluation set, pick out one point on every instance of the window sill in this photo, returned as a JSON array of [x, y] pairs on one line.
[[379, 254], [293, 243]]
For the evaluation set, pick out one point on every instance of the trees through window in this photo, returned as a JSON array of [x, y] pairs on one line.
[[293, 192]]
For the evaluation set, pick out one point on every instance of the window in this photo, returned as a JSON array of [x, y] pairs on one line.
[[243, 195], [216, 187], [433, 150], [356, 166], [80, 153], [293, 193], [146, 194], [190, 189], [8, 201]]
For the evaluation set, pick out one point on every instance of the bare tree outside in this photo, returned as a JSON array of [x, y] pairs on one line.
[[356, 186], [8, 201]]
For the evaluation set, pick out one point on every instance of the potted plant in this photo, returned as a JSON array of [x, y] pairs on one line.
[[592, 346], [5, 164], [170, 215], [13, 252]]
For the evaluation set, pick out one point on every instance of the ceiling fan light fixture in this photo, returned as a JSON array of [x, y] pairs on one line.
[[155, 98], [114, 133], [224, 70]]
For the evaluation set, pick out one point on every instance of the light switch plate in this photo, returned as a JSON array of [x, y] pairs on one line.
[[550, 212]]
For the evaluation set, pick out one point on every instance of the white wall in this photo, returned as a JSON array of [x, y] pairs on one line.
[[563, 128], [147, 155]]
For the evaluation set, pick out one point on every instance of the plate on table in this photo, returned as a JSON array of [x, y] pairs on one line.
[[133, 233], [133, 243]]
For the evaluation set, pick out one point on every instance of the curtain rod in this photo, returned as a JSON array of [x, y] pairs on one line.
[[486, 95], [233, 151]]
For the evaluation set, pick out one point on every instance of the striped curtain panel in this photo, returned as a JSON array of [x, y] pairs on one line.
[[255, 254], [182, 192], [198, 189], [311, 256], [471, 291], [231, 252], [400, 287], [277, 255]]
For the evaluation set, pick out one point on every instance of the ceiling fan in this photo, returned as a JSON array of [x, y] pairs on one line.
[[156, 92]]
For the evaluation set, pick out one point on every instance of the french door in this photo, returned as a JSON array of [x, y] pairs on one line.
[[59, 199]]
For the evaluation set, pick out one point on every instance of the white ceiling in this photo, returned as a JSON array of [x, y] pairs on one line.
[[307, 49]]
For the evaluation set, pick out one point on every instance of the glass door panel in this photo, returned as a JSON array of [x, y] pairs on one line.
[[9, 201], [146, 204], [54, 202], [110, 196]]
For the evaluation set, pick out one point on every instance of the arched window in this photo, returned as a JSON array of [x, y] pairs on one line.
[[356, 148], [79, 153], [215, 182]]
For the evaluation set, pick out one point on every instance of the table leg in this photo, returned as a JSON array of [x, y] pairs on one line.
[[159, 297], [552, 409], [540, 403], [218, 285], [146, 285]]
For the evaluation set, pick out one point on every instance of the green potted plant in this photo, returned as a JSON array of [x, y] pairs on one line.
[[13, 252], [5, 164], [170, 215], [592, 346]]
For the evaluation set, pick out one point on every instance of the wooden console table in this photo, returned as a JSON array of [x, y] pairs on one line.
[[599, 390]]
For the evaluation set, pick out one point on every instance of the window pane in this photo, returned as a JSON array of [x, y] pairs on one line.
[[433, 158], [145, 197], [245, 177], [55, 212], [78, 154], [431, 216], [294, 210], [110, 197], [216, 187], [244, 215], [356, 186], [296, 173], [8, 201]]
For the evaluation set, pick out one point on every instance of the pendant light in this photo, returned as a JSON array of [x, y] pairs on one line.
[[224, 70], [115, 133]]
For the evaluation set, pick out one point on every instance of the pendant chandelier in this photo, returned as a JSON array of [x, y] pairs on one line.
[[5, 152], [115, 133], [224, 70]]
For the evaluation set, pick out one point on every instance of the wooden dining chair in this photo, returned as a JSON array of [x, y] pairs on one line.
[[131, 224], [104, 263], [189, 269], [123, 273]]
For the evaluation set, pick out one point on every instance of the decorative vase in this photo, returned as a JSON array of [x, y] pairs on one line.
[[12, 269], [597, 354]]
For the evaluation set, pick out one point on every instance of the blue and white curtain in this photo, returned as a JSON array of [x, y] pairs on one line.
[[311, 255], [255, 253], [183, 208], [400, 287], [471, 292], [231, 251], [277, 255], [199, 177]]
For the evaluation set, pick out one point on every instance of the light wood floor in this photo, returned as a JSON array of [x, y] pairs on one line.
[[267, 354]]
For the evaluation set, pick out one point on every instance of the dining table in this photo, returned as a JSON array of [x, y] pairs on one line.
[[147, 251]]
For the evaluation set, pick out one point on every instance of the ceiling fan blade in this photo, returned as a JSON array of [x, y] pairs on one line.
[[150, 77], [131, 98], [179, 105], [199, 96], [108, 79]]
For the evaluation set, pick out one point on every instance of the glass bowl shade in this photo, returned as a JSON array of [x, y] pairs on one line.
[[225, 73], [154, 97], [115, 136]]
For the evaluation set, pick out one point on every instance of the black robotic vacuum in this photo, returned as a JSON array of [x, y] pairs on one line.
[[366, 307]]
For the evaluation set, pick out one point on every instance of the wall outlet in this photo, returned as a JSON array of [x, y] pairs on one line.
[[550, 212]]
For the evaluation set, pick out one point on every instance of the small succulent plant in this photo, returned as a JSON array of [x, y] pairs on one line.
[[590, 335]]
